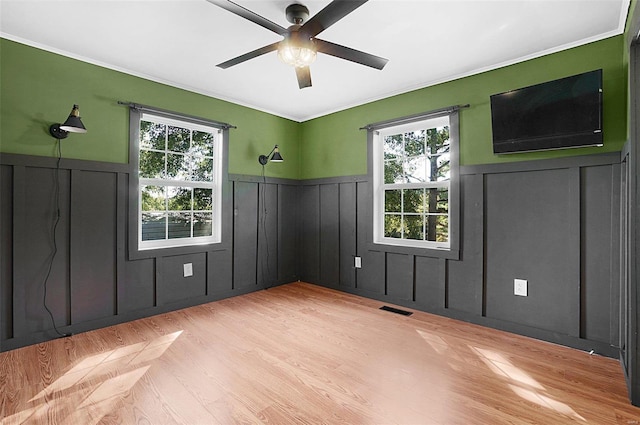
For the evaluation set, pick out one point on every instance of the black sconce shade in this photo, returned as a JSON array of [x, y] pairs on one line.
[[276, 157], [73, 124]]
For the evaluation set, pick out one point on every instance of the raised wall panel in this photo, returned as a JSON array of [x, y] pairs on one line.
[[6, 252], [122, 213], [399, 273], [347, 223], [532, 231], [309, 233], [329, 235], [371, 277], [465, 277], [174, 286], [138, 289], [34, 213], [93, 245], [430, 284], [220, 271], [616, 276], [624, 335], [288, 232], [597, 190], [245, 234], [268, 234]]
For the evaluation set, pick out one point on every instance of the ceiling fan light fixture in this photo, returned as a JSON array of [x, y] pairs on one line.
[[295, 53], [300, 46]]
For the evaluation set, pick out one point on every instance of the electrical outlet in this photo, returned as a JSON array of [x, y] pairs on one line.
[[520, 287], [357, 262], [187, 269]]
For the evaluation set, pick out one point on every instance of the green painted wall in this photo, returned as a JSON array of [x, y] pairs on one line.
[[38, 88], [333, 145]]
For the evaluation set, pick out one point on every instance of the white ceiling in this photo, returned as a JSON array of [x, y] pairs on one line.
[[427, 42]]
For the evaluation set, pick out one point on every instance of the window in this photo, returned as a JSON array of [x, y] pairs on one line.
[[414, 164], [179, 182]]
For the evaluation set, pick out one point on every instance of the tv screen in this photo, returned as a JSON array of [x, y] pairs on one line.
[[565, 113]]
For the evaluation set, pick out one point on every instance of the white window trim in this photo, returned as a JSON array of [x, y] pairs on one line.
[[215, 185], [379, 186]]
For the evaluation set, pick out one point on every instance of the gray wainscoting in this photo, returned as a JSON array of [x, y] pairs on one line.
[[555, 223], [92, 282]]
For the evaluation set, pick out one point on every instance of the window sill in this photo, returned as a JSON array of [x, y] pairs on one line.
[[432, 252], [140, 254]]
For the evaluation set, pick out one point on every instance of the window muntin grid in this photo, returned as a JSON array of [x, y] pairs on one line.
[[179, 183], [412, 168]]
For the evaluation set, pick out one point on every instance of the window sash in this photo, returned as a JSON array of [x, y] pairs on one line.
[[380, 213], [380, 187], [214, 185]]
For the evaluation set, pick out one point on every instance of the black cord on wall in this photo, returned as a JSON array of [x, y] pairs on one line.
[[264, 231], [56, 220]]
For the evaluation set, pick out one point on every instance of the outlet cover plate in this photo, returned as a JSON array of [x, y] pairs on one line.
[[187, 269], [520, 287]]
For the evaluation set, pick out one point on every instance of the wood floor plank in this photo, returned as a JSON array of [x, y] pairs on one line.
[[301, 353]]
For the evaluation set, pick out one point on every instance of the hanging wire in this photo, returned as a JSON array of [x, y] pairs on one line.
[[56, 220], [264, 231]]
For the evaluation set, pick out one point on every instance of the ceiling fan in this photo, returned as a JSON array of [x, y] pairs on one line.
[[300, 45]]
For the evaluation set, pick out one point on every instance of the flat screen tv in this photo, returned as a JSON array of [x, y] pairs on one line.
[[565, 113]]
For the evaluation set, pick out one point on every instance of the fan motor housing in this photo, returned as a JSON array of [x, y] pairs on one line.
[[297, 13]]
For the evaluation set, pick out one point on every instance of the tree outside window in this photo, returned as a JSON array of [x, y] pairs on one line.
[[179, 182], [413, 178]]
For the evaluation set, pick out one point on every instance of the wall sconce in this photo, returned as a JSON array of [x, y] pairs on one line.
[[73, 124], [276, 157]]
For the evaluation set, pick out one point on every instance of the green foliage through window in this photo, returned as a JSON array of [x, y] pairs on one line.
[[177, 175], [417, 167]]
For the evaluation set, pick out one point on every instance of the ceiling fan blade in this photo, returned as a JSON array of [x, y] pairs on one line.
[[304, 77], [254, 54], [328, 16], [350, 54], [249, 15]]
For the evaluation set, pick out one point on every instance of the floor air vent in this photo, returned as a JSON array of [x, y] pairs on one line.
[[396, 310]]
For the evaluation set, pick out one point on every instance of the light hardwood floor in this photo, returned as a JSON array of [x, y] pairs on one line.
[[300, 353]]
